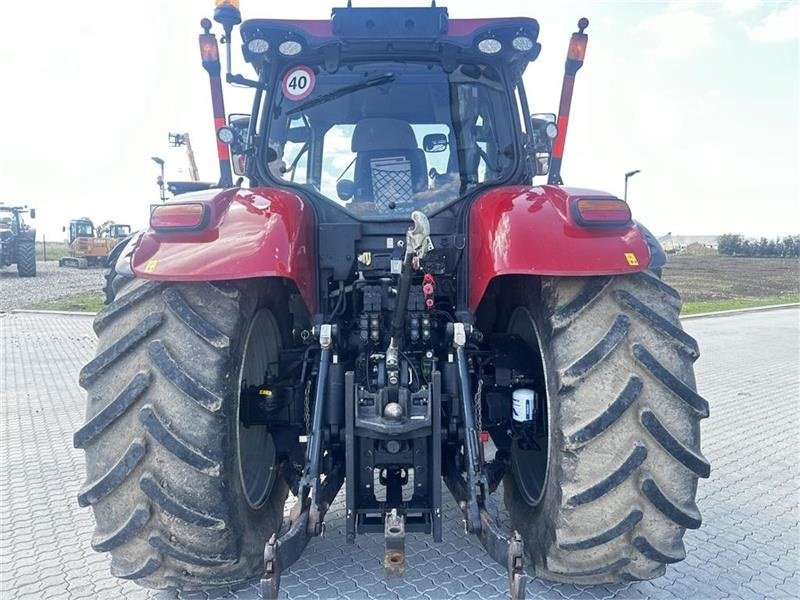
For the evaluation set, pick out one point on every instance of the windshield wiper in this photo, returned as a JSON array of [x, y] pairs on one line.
[[343, 91]]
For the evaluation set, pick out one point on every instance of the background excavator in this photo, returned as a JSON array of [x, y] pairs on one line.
[[89, 246]]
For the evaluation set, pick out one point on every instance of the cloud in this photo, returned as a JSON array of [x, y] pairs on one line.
[[679, 31], [781, 25], [740, 7]]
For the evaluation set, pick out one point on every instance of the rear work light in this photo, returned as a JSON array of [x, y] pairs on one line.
[[187, 216], [601, 212]]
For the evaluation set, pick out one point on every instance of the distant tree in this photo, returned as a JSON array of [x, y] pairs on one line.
[[729, 244], [734, 244]]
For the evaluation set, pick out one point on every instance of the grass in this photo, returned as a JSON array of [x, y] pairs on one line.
[[55, 250], [704, 306], [87, 302]]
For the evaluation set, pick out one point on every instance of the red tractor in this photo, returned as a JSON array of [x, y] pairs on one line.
[[390, 304]]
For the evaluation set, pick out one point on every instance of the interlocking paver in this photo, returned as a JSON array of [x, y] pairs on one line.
[[747, 547]]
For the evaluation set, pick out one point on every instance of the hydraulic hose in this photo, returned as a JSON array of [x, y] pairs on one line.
[[403, 290]]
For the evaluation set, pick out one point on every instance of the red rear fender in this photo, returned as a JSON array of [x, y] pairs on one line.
[[261, 232], [531, 231]]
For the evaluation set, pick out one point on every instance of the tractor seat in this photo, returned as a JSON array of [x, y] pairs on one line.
[[389, 168]]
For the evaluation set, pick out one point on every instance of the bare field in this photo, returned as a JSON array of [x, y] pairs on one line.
[[704, 278]]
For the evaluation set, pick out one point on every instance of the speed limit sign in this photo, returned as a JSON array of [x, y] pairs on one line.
[[298, 82]]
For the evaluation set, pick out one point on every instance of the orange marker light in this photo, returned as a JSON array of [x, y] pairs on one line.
[[577, 46], [233, 3], [190, 216], [209, 52], [601, 211]]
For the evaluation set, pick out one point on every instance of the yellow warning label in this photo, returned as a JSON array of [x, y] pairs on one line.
[[150, 266], [631, 258]]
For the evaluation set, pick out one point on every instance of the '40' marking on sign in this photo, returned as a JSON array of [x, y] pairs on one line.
[[298, 82]]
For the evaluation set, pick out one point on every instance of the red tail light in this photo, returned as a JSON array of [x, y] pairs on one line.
[[189, 216], [606, 212]]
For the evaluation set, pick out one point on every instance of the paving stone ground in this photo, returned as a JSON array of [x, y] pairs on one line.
[[746, 548]]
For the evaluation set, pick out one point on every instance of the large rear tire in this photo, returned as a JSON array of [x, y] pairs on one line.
[[183, 495], [623, 456], [26, 259]]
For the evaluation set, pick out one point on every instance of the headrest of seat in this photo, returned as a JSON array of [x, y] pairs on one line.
[[383, 134]]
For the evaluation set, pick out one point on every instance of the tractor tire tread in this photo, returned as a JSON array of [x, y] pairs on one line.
[[26, 259], [181, 378], [182, 449], [601, 570], [654, 554], [201, 326], [95, 367], [692, 461], [569, 312], [135, 524], [627, 524], [112, 411], [147, 568], [604, 346], [670, 382], [115, 476], [682, 516], [160, 446], [192, 557], [677, 335], [610, 482], [121, 304], [620, 377], [609, 416], [178, 508]]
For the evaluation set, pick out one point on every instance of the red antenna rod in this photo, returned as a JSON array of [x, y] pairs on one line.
[[209, 52], [575, 54]]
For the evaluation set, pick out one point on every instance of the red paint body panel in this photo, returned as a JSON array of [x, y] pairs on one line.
[[261, 232], [530, 230]]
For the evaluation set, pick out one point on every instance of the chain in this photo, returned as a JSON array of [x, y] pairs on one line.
[[307, 407], [477, 406]]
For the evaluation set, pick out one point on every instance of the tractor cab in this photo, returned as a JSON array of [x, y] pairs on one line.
[[9, 221], [12, 221], [381, 112]]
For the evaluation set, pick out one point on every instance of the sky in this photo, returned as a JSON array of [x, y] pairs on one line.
[[702, 97]]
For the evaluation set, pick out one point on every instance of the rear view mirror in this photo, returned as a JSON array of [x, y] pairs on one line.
[[542, 163], [435, 142], [239, 125], [298, 135], [32, 213], [345, 189], [544, 132]]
